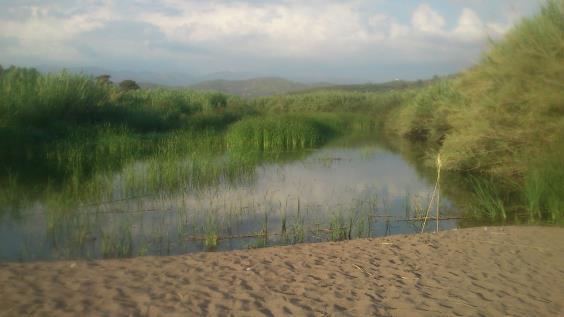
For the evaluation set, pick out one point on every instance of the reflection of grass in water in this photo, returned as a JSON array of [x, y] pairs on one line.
[[414, 209], [142, 247], [368, 151], [261, 239], [11, 198], [81, 168], [184, 174], [283, 230], [176, 162], [354, 223], [117, 244]]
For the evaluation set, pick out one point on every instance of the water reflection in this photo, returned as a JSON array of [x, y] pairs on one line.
[[351, 188]]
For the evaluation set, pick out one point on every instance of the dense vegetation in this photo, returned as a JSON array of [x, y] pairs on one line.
[[377, 87], [374, 104], [505, 116], [36, 110]]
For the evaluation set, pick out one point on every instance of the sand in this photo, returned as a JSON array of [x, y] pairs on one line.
[[494, 271]]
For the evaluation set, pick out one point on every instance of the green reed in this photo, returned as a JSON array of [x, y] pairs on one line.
[[211, 233], [275, 134], [487, 201]]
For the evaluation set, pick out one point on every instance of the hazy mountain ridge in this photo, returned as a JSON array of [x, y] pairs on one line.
[[244, 84], [255, 87], [378, 87]]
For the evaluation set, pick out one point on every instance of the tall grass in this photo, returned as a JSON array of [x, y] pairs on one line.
[[275, 133], [503, 110], [295, 131], [487, 201], [332, 101], [36, 108], [544, 189], [504, 117]]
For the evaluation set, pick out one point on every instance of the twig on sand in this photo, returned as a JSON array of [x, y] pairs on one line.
[[362, 270]]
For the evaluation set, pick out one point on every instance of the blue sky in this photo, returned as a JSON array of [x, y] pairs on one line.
[[360, 40]]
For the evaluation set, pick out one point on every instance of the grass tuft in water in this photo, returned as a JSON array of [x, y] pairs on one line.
[[211, 233]]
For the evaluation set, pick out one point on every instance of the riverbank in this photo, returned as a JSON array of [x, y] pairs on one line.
[[493, 271]]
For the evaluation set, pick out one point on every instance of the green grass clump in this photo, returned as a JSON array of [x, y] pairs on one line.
[[487, 201], [275, 134], [293, 132], [544, 189], [211, 233], [118, 243], [338, 228]]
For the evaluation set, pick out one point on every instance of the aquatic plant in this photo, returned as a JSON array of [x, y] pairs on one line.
[[338, 229], [275, 134], [211, 233]]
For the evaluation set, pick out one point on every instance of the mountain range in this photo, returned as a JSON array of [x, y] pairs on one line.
[[256, 87], [242, 84]]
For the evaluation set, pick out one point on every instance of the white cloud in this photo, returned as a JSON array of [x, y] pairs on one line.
[[427, 20], [470, 27], [398, 30], [282, 34], [48, 28], [286, 29]]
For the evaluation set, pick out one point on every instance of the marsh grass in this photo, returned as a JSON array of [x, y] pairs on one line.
[[329, 102], [297, 229], [487, 200], [275, 134], [211, 233], [501, 118], [544, 191], [119, 243], [284, 229], [338, 228]]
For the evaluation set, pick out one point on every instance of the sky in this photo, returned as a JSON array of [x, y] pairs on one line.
[[318, 40]]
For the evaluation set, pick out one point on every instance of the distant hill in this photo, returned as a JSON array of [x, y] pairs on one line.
[[371, 87], [254, 87]]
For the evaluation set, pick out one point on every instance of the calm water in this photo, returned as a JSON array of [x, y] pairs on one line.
[[343, 190]]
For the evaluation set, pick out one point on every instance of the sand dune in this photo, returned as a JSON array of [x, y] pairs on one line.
[[502, 271]]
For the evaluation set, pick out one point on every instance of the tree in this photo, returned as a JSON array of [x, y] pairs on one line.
[[104, 79], [128, 84]]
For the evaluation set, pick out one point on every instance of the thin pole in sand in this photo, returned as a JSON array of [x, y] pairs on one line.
[[438, 187], [436, 191]]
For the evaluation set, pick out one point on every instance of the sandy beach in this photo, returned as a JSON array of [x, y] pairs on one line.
[[493, 271]]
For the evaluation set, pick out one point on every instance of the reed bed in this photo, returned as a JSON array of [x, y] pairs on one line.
[[275, 134]]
